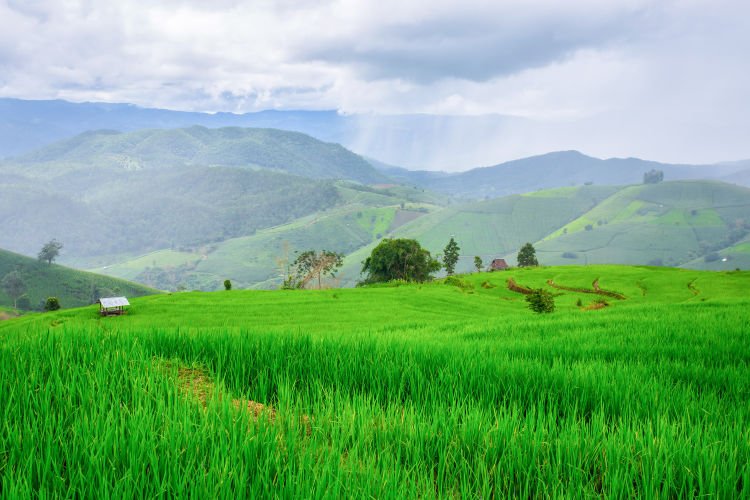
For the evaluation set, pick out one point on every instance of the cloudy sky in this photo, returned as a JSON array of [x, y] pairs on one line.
[[665, 80]]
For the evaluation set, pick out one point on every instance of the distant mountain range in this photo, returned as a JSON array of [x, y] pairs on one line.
[[557, 169], [413, 140], [192, 206]]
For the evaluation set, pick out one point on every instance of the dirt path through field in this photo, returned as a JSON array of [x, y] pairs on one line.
[[195, 384]]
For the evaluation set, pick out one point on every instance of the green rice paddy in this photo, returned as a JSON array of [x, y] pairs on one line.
[[403, 391]]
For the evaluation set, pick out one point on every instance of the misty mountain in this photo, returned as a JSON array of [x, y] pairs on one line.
[[558, 169], [414, 140], [290, 152], [105, 193]]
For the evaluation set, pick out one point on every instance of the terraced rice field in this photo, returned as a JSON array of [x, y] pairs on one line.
[[404, 391]]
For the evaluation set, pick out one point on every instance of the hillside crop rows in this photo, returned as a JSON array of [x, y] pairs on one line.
[[406, 391]]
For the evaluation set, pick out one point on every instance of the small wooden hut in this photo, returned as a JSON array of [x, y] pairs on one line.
[[112, 306], [498, 265]]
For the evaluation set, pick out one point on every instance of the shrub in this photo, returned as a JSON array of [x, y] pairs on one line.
[[51, 304], [589, 227], [227, 285], [569, 255], [541, 301]]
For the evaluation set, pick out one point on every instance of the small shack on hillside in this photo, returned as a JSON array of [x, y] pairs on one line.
[[112, 306], [498, 265]]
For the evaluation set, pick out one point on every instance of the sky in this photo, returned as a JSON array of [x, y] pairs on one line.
[[665, 80]]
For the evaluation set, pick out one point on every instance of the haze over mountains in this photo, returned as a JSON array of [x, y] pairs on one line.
[[192, 206]]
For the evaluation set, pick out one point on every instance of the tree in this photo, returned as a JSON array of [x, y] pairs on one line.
[[541, 301], [50, 251], [14, 286], [399, 259], [450, 257], [227, 285], [478, 263], [310, 265], [653, 176], [51, 304], [527, 256]]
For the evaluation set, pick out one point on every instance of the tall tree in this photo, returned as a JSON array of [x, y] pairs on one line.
[[311, 265], [14, 286], [450, 256], [399, 259], [527, 256], [50, 251]]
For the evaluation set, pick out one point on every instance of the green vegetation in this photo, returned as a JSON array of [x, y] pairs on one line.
[[450, 256], [669, 223], [541, 301], [72, 288], [52, 304], [399, 259], [527, 256], [50, 251], [410, 391]]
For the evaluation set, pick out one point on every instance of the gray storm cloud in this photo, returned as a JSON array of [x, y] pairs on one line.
[[662, 79]]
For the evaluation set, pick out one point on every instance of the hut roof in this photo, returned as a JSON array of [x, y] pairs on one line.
[[498, 264], [108, 302]]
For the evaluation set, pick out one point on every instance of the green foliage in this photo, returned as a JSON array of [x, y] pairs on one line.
[[527, 256], [50, 251], [401, 258], [541, 301], [653, 176], [478, 263], [450, 256], [313, 265], [51, 304], [227, 285]]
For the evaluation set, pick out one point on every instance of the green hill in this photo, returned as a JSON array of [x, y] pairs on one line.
[[414, 391], [670, 223], [365, 215], [73, 288], [290, 152]]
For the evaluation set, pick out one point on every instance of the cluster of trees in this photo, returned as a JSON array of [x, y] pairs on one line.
[[405, 259], [653, 176]]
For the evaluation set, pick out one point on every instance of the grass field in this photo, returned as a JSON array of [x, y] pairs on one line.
[[73, 288], [408, 391]]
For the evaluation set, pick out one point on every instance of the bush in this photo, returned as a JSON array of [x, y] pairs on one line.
[[541, 301], [569, 255], [589, 227], [51, 304], [227, 285]]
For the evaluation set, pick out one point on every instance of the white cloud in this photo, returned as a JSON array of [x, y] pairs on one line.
[[661, 79]]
